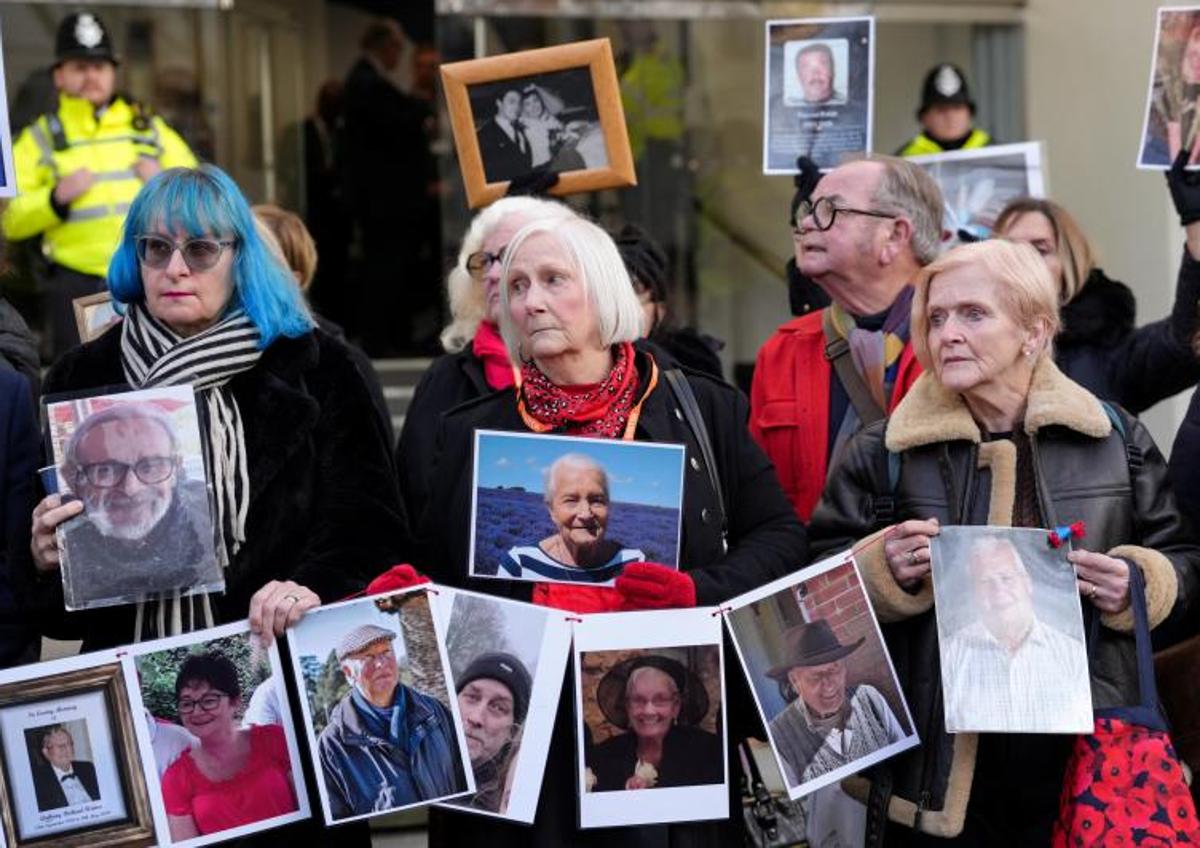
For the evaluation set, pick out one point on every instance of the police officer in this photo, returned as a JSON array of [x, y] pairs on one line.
[[78, 169], [947, 114]]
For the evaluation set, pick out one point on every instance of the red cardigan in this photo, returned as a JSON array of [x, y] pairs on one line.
[[789, 406]]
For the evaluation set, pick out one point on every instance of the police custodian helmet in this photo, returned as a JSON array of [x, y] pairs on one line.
[[945, 84], [83, 36]]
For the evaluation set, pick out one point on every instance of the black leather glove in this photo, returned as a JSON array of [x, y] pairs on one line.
[[1185, 189], [535, 183], [809, 174]]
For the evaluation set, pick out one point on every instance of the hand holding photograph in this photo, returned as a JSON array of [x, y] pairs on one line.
[[136, 462], [1013, 657], [564, 509], [1172, 122], [554, 108]]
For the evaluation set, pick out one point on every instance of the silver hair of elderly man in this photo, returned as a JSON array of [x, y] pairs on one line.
[[571, 460], [133, 411]]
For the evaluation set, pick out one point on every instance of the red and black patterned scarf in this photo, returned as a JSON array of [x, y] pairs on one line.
[[600, 410]]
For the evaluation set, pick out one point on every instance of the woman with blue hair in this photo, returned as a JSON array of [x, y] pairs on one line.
[[306, 504]]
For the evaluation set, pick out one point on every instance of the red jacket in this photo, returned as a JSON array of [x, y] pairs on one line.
[[789, 406]]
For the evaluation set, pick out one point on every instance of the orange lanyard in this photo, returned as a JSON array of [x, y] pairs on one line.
[[635, 413]]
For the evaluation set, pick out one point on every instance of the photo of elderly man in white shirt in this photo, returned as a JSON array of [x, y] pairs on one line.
[[1009, 671]]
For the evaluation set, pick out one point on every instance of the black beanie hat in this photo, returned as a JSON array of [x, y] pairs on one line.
[[506, 669], [644, 260]]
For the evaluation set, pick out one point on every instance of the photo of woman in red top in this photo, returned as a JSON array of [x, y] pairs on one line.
[[235, 776]]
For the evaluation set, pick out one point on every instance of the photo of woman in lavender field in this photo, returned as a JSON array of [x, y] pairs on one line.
[[561, 509]]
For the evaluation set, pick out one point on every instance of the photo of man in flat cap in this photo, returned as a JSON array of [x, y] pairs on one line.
[[386, 745], [828, 724]]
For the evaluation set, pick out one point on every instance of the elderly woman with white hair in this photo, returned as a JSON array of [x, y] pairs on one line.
[[993, 433], [569, 316], [476, 362]]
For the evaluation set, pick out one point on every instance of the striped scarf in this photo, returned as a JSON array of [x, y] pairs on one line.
[[153, 355], [874, 352]]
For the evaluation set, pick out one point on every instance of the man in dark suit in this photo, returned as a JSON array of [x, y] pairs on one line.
[[502, 141], [60, 780], [391, 186]]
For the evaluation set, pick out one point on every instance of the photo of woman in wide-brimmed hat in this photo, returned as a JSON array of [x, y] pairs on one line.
[[829, 723], [659, 703]]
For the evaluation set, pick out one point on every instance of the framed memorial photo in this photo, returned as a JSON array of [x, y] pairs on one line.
[[819, 88], [94, 314], [650, 680], [136, 461], [1010, 633], [811, 648], [555, 107], [977, 184], [194, 693], [355, 662], [1172, 122], [564, 509], [70, 770], [507, 660]]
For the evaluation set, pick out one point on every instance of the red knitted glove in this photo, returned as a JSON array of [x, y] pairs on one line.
[[651, 585], [396, 577]]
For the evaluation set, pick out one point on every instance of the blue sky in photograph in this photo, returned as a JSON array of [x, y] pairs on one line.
[[319, 632], [638, 472]]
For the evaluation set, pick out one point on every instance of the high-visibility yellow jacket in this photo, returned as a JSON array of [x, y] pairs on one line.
[[107, 145], [922, 145], [652, 91]]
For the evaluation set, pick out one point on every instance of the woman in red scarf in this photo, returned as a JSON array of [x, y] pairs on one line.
[[569, 315], [475, 363]]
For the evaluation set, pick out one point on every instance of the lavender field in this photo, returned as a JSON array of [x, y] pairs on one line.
[[508, 517]]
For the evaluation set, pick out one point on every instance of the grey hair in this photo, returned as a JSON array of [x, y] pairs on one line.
[[119, 412], [637, 673], [907, 189], [465, 296], [991, 543], [601, 270], [571, 460]]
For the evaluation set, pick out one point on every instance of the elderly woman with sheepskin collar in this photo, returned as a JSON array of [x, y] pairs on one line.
[[994, 434]]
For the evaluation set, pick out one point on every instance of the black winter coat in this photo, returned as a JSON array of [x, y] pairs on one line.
[[451, 380], [324, 508], [1082, 473], [1099, 348], [766, 540]]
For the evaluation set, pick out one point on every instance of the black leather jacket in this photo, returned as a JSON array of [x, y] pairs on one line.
[[1085, 470]]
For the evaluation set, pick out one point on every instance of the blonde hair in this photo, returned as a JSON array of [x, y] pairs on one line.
[[464, 295], [295, 243], [1075, 252], [595, 258], [1020, 279]]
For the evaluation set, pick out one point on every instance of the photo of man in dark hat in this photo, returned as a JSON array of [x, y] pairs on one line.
[[493, 699], [829, 723]]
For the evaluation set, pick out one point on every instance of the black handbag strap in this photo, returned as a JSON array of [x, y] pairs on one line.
[[690, 409], [837, 351], [1147, 689]]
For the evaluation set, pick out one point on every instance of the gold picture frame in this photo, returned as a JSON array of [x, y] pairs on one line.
[[490, 73], [87, 310], [137, 829]]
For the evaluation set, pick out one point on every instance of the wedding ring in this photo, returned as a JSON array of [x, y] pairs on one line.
[[293, 598], [912, 557], [1092, 593]]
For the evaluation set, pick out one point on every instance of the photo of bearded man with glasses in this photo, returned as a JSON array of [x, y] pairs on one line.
[[145, 527]]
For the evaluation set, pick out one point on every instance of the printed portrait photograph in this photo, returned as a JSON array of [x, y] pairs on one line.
[[977, 184], [821, 675], [555, 109], [507, 660], [548, 120], [650, 708], [136, 461], [1171, 125], [94, 314], [374, 670], [71, 772], [818, 91], [573, 510], [1010, 633], [221, 734], [8, 185]]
